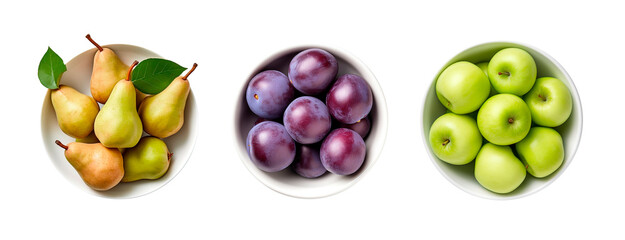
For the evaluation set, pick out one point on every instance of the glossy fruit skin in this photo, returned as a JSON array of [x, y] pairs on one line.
[[550, 102], [521, 68], [148, 160], [162, 115], [542, 151], [455, 138], [493, 119], [75, 112], [462, 87], [307, 161], [108, 69], [498, 170], [350, 99], [362, 127], [343, 151], [307, 120], [311, 71], [118, 124], [101, 168], [269, 93], [270, 147]]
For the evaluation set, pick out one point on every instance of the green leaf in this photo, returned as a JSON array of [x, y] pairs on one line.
[[51, 68], [153, 75]]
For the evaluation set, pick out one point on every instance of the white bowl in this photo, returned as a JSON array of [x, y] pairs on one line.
[[287, 181], [571, 130], [78, 76]]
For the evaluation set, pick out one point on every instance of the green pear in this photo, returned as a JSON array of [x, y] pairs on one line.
[[75, 112], [99, 167], [118, 124], [108, 69], [148, 160], [163, 114]]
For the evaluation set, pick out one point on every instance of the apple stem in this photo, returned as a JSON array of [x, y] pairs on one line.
[[445, 142], [60, 144], [542, 97], [94, 43], [169, 154], [510, 120], [504, 73], [526, 166], [190, 71], [130, 69]]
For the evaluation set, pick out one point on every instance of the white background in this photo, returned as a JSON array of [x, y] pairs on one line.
[[403, 196]]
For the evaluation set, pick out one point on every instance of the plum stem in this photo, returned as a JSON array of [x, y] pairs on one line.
[[190, 71], [130, 69], [504, 73], [94, 43], [60, 144], [445, 142]]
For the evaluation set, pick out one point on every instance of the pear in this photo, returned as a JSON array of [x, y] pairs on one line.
[[75, 112], [108, 69], [163, 114], [99, 167], [148, 160], [118, 124]]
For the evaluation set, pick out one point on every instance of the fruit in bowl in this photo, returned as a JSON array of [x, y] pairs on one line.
[[310, 118], [307, 120], [529, 109], [107, 151]]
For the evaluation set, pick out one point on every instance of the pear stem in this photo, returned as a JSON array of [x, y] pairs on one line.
[[190, 71], [130, 69], [94, 43], [169, 154], [60, 144]]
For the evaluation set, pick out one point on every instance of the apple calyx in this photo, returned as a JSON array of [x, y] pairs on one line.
[[190, 71], [169, 154], [445, 142], [130, 69], [510, 120], [60, 144], [94, 43], [504, 73]]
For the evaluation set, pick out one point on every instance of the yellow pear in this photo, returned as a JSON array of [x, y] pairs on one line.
[[99, 167], [108, 69], [118, 124], [163, 114], [75, 112]]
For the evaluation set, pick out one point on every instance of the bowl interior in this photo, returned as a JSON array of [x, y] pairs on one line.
[[571, 130], [287, 181], [78, 76]]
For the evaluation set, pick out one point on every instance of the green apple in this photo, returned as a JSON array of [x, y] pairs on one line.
[[149, 159], [550, 102], [455, 138], [504, 119], [542, 151], [497, 169], [462, 87], [484, 67], [512, 70]]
